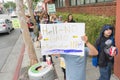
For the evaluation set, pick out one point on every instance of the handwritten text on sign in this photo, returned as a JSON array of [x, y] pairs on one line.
[[63, 38]]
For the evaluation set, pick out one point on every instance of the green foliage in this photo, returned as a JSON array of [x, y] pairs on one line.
[[6, 5], [9, 4], [93, 23], [35, 3], [25, 7], [36, 0]]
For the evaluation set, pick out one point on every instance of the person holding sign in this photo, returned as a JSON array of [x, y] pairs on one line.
[[76, 65], [75, 55]]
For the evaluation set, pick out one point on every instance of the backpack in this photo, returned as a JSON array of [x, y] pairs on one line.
[[95, 58], [95, 61]]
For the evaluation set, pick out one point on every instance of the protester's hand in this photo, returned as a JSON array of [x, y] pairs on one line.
[[56, 54], [40, 36], [84, 38], [31, 26], [114, 53]]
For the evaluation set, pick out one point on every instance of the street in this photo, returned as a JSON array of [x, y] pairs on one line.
[[7, 43], [10, 48], [2, 16]]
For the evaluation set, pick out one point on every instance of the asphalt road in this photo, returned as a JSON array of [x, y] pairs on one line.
[[7, 42], [2, 16]]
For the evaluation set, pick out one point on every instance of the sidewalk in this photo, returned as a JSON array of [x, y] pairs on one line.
[[92, 72]]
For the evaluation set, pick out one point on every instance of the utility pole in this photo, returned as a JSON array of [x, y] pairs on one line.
[[26, 35]]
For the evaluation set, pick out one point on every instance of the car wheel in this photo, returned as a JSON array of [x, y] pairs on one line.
[[9, 31], [13, 28]]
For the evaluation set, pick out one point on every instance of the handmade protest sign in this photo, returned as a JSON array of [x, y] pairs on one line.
[[62, 38], [16, 23]]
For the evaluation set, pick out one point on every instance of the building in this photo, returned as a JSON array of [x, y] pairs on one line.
[[97, 7]]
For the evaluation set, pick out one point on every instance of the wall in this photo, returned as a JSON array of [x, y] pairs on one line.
[[117, 39], [108, 9]]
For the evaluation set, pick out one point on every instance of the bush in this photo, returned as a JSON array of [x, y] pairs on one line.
[[93, 23]]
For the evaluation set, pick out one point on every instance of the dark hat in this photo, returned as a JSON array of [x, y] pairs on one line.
[[106, 27]]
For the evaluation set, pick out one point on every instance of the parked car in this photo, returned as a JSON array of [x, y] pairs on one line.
[[6, 26], [13, 15]]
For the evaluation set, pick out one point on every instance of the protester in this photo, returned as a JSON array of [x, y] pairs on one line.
[[37, 19], [53, 18], [31, 28], [45, 20], [70, 18], [62, 61], [105, 58], [60, 20], [62, 65], [76, 65]]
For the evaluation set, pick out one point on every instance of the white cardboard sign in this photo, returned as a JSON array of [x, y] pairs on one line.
[[62, 38]]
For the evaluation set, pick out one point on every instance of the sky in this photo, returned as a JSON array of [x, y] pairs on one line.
[[6, 0]]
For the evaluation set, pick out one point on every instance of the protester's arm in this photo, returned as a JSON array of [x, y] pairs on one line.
[[32, 25], [40, 36], [92, 50]]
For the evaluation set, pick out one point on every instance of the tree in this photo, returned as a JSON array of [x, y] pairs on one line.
[[10, 4], [35, 3], [26, 36]]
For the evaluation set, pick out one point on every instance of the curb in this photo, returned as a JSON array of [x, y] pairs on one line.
[[17, 70]]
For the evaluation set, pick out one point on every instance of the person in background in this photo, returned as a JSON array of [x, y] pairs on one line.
[[60, 20], [62, 61], [103, 44], [37, 19], [70, 18], [62, 65], [31, 28], [53, 18], [45, 19]]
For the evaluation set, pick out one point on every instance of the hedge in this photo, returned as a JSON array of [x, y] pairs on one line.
[[93, 23]]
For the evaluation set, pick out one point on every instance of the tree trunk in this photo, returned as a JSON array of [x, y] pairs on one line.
[[25, 32], [30, 9]]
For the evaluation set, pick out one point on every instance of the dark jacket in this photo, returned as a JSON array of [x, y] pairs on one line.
[[29, 25], [102, 57]]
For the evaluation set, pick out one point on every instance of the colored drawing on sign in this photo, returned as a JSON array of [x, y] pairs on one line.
[[63, 38]]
